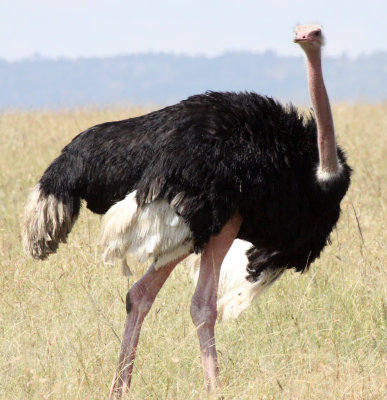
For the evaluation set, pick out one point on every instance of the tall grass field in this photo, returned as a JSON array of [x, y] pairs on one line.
[[318, 335]]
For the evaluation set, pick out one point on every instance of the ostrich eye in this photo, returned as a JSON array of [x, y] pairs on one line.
[[317, 33]]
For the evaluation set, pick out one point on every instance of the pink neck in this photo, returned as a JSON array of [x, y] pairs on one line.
[[329, 165]]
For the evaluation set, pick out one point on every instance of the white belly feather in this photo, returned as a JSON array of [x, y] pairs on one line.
[[235, 292], [153, 230]]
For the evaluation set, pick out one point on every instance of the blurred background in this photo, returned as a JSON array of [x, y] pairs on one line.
[[56, 54]]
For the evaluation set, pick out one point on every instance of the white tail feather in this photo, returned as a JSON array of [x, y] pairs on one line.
[[47, 222]]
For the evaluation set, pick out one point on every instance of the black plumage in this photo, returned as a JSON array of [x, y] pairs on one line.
[[209, 156]]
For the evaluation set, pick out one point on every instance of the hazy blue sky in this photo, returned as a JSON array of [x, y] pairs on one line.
[[74, 28]]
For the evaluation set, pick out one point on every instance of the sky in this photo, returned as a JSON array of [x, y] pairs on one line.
[[98, 28]]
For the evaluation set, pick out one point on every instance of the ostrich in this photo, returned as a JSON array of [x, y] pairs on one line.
[[193, 177]]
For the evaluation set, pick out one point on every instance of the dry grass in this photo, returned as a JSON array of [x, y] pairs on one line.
[[321, 335]]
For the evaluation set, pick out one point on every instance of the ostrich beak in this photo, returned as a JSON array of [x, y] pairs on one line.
[[299, 39]]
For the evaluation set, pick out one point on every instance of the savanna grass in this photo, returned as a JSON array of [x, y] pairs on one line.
[[321, 335]]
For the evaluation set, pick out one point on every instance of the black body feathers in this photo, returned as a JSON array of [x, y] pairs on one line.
[[210, 156]]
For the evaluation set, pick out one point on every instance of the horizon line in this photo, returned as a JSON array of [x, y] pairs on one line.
[[37, 56]]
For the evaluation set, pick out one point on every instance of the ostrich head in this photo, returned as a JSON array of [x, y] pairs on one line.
[[309, 37]]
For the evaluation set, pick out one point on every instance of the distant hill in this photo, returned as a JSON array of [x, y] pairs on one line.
[[165, 78]]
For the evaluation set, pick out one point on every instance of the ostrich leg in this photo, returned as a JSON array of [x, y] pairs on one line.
[[203, 305], [139, 301]]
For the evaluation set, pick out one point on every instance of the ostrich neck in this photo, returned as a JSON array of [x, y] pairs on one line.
[[328, 166]]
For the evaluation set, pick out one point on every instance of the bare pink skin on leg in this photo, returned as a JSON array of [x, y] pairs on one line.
[[141, 296], [203, 305]]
